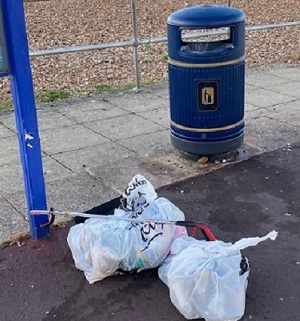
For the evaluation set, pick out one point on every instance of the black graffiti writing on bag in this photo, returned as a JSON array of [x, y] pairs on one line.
[[138, 204], [146, 229], [123, 204], [152, 238], [244, 265], [136, 215], [133, 186]]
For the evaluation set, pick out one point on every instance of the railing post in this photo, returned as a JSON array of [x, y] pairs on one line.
[[135, 47]]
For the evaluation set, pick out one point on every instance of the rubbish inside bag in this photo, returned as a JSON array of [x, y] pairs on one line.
[[208, 279], [104, 248]]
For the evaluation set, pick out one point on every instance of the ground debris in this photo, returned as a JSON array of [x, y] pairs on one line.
[[19, 238], [203, 160]]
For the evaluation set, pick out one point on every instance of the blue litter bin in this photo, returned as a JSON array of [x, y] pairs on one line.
[[206, 48]]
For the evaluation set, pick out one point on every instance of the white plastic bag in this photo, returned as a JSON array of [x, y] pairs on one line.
[[103, 248], [208, 279]]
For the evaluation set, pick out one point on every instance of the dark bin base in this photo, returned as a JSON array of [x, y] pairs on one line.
[[207, 148]]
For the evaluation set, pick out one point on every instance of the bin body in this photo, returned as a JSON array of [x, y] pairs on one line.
[[207, 80]]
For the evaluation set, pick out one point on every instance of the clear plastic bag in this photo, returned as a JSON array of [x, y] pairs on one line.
[[208, 279], [103, 248]]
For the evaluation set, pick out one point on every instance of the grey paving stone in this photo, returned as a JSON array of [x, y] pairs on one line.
[[149, 143], [9, 150], [11, 179], [47, 119], [160, 116], [19, 202], [289, 88], [90, 157], [135, 102], [11, 221], [249, 107], [256, 114], [54, 170], [267, 98], [124, 127], [92, 111], [287, 72], [8, 119], [265, 80], [249, 88], [118, 175], [171, 165], [288, 113], [162, 91], [79, 192], [52, 119], [5, 132], [269, 133], [69, 138]]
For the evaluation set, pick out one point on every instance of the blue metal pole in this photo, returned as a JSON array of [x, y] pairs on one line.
[[25, 112]]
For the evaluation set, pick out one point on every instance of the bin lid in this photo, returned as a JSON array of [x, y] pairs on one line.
[[206, 16]]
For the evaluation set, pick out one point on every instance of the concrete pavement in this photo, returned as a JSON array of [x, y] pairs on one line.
[[92, 146]]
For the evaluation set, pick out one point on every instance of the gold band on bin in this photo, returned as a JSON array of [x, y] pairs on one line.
[[207, 130], [214, 64]]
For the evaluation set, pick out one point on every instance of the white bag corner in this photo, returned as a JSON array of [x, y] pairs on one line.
[[208, 279]]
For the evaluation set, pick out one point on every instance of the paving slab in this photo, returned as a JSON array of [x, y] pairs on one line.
[[161, 91], [148, 143], [288, 88], [47, 119], [12, 176], [12, 222], [249, 107], [91, 111], [93, 156], [266, 98], [9, 150], [160, 116], [78, 191], [54, 170], [265, 80], [40, 282], [125, 126], [268, 133], [288, 113], [135, 102], [70, 138], [287, 72], [52, 119], [7, 119], [5, 132], [11, 179]]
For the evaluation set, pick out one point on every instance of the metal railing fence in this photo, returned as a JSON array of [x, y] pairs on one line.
[[136, 42]]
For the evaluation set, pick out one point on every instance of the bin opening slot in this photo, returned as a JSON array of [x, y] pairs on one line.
[[212, 40]]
